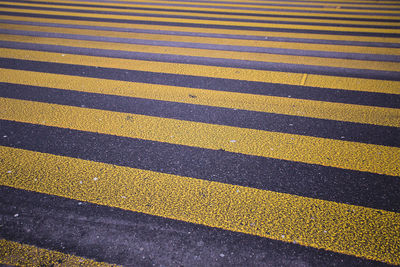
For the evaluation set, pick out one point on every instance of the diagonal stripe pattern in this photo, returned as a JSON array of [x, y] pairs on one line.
[[278, 119]]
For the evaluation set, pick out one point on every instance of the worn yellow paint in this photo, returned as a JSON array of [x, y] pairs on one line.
[[326, 5], [303, 80], [17, 254], [260, 57], [327, 152], [210, 15], [314, 2], [354, 230], [265, 5], [249, 11], [344, 83], [205, 30], [209, 40], [202, 22], [233, 100]]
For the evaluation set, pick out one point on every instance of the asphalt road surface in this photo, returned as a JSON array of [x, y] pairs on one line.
[[200, 133]]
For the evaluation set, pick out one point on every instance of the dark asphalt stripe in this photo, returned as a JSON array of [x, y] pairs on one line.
[[327, 183], [261, 9], [212, 12], [320, 5], [219, 84], [162, 57], [266, 2], [200, 18], [211, 26], [213, 35], [356, 132], [127, 238], [218, 62], [371, 1], [299, 4], [365, 2]]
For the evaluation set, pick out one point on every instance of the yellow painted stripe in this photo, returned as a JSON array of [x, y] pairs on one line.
[[249, 5], [325, 2], [359, 231], [261, 103], [242, 7], [265, 5], [327, 152], [208, 40], [17, 254], [344, 83], [202, 22], [355, 1], [260, 57], [334, 5], [279, 3], [206, 30], [191, 13]]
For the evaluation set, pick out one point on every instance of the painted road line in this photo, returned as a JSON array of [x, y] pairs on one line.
[[340, 130], [264, 5], [313, 80], [393, 4], [332, 11], [324, 2], [216, 84], [261, 103], [386, 62], [238, 25], [276, 3], [73, 41], [308, 180], [354, 230], [17, 254], [178, 29], [159, 247], [208, 16], [207, 40], [327, 152]]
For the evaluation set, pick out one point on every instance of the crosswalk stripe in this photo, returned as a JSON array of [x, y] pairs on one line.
[[209, 53], [279, 105], [210, 15], [13, 253], [308, 180], [207, 40], [313, 80], [264, 33], [348, 155], [315, 2], [327, 29], [279, 216], [254, 5], [332, 11], [190, 110]]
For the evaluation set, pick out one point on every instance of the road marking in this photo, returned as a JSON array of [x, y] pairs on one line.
[[334, 5], [206, 16], [263, 12], [209, 40], [202, 22], [13, 253], [264, 5], [303, 80], [360, 231], [262, 103], [22, 17], [313, 80], [313, 150], [257, 57]]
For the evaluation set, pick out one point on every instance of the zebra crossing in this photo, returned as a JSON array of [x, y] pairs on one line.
[[272, 120]]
